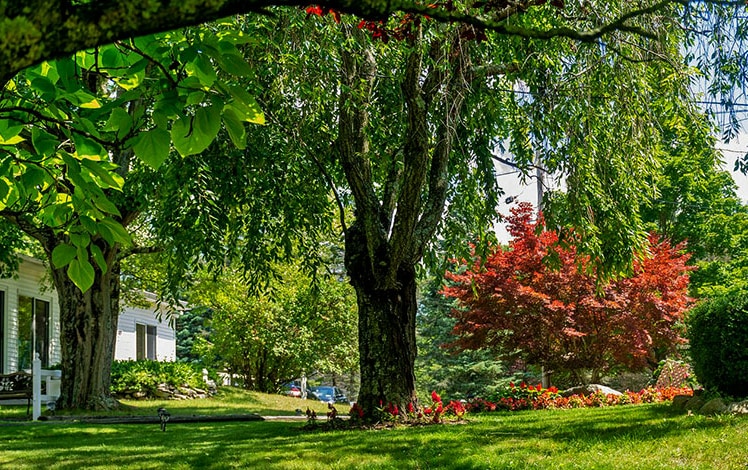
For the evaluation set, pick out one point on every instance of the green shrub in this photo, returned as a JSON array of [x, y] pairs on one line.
[[146, 376], [718, 333]]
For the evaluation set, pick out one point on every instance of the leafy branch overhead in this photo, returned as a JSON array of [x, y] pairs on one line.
[[69, 130], [38, 30]]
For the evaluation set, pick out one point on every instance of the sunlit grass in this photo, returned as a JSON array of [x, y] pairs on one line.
[[627, 437], [228, 400]]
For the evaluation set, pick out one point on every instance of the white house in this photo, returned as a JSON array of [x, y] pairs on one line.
[[26, 299]]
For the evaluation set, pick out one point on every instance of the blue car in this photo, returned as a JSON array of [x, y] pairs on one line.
[[328, 394]]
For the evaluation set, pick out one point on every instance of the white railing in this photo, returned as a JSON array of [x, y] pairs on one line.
[[52, 386]]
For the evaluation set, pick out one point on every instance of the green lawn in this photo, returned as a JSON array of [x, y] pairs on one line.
[[627, 437]]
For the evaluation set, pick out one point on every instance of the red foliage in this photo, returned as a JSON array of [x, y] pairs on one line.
[[560, 316]]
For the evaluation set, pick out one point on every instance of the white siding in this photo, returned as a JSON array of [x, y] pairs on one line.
[[166, 342], [32, 281]]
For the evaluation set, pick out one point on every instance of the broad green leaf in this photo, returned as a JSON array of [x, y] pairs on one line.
[[119, 121], [207, 125], [114, 232], [204, 70], [236, 65], [44, 86], [9, 132], [84, 100], [105, 205], [82, 273], [80, 240], [88, 148], [235, 127], [62, 255], [152, 147], [33, 176], [246, 106], [109, 179], [193, 135], [98, 256], [44, 143]]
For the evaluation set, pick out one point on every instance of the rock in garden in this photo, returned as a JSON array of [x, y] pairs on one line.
[[713, 407], [738, 408], [590, 390]]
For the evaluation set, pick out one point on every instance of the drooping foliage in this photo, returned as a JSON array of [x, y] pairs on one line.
[[539, 301]]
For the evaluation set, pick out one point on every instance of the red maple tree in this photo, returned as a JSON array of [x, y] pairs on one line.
[[539, 301]]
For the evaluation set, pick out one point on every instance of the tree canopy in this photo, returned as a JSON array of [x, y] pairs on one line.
[[538, 301]]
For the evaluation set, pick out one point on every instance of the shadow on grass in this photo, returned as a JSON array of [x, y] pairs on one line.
[[490, 440]]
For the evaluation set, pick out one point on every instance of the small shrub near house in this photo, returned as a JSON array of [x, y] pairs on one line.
[[718, 334], [142, 379]]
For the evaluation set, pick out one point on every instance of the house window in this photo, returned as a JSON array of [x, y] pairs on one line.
[[145, 339], [33, 331]]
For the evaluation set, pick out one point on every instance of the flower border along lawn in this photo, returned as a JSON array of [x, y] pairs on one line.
[[626, 437]]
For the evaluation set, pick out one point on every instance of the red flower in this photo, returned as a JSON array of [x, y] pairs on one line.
[[439, 408], [435, 397], [523, 385], [427, 411], [511, 384], [314, 10], [410, 408]]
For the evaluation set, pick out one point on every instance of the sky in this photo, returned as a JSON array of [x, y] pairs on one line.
[[510, 181]]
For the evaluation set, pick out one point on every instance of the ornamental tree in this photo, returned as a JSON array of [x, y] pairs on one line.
[[540, 301]]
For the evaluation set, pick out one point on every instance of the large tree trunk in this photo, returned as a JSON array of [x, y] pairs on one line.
[[88, 331], [386, 329]]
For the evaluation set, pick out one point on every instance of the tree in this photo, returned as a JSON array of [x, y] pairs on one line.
[[85, 140], [539, 302], [445, 83], [274, 338]]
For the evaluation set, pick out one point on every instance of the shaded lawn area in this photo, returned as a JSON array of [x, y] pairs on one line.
[[630, 437]]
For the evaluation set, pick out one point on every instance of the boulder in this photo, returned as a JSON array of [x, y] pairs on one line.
[[590, 390], [738, 408], [713, 407], [679, 401], [695, 403]]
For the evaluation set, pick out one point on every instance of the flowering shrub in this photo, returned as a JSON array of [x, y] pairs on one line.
[[413, 413], [531, 397]]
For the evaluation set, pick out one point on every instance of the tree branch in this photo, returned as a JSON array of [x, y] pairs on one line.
[[38, 30]]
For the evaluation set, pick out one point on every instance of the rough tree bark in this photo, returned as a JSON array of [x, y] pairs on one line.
[[390, 232], [88, 332]]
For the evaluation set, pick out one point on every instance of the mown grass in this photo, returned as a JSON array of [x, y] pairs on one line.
[[228, 400], [627, 437]]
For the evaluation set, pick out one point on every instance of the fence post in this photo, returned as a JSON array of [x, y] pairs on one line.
[[36, 380]]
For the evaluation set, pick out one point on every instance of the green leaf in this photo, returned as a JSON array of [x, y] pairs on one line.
[[204, 70], [82, 273], [9, 132], [62, 255], [236, 65], [193, 135], [119, 121], [46, 89], [108, 179], [152, 147], [88, 148], [235, 127], [113, 232], [207, 125], [44, 143], [246, 106], [98, 256]]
